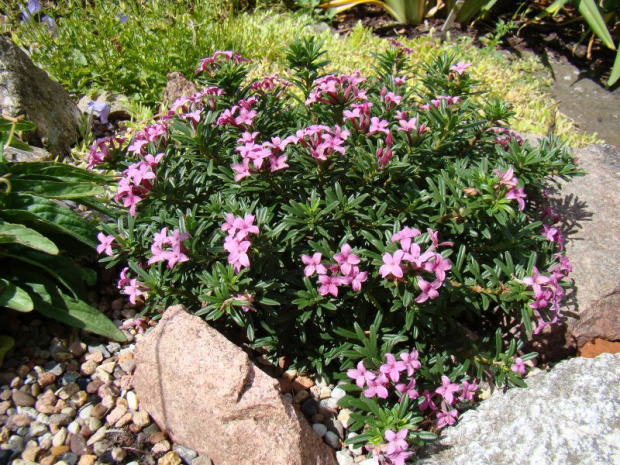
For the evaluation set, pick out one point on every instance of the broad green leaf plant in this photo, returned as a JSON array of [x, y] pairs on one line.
[[388, 231], [40, 237]]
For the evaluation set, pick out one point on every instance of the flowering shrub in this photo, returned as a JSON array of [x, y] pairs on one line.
[[389, 232]]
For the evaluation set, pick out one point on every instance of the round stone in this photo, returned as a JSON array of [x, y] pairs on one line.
[[74, 427], [320, 429], [332, 440], [60, 437], [344, 458], [22, 399], [310, 407], [338, 393], [132, 400], [37, 429]]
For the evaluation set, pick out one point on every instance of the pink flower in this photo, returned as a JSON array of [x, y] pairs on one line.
[[238, 256], [429, 290], [346, 259], [439, 266], [391, 265], [357, 279], [329, 285], [392, 368], [518, 366], [411, 361], [536, 281], [377, 125], [427, 402], [404, 236], [446, 418], [105, 244], [518, 195], [135, 290], [396, 441], [468, 391], [506, 179], [408, 389], [460, 67], [123, 279], [313, 265], [361, 375], [377, 387], [447, 390]]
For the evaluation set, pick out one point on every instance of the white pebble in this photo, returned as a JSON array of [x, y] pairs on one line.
[[354, 450], [338, 393], [74, 427], [320, 381], [59, 438], [320, 429], [132, 400], [85, 411], [363, 462], [343, 458]]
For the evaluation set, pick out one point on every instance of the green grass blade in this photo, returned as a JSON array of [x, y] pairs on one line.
[[19, 234], [15, 297], [592, 15], [615, 71]]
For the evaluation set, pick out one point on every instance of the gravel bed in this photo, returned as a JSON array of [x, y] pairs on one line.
[[66, 397]]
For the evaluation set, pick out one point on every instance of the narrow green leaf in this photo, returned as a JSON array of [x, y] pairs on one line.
[[20, 234], [590, 12], [57, 189], [615, 71]]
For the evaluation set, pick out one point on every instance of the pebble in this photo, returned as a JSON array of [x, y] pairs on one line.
[[30, 454], [85, 412], [171, 458], [320, 429], [132, 400], [37, 429], [301, 396], [4, 406], [61, 419], [141, 419], [119, 454], [113, 347], [73, 427], [18, 420], [45, 441], [302, 383], [77, 348], [338, 393], [344, 416], [343, 458], [95, 357], [335, 426], [98, 411], [116, 414], [332, 440], [69, 377], [328, 403], [78, 399], [87, 459], [62, 356], [325, 392], [59, 450], [160, 447], [67, 391], [320, 381], [98, 436], [310, 407], [60, 437], [368, 462], [93, 424], [49, 460], [23, 462], [318, 418], [15, 443], [22, 399], [186, 454], [55, 368], [77, 444], [47, 378], [69, 457], [88, 367], [288, 398], [124, 420]]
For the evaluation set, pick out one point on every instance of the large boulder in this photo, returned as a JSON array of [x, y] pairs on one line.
[[591, 224], [207, 395], [570, 415], [27, 90]]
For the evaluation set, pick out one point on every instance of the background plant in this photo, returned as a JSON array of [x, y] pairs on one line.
[[339, 220], [42, 239]]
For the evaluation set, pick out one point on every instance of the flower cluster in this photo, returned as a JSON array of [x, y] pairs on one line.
[[504, 137], [189, 107], [156, 134], [511, 189], [436, 102], [409, 259], [212, 64], [344, 272], [268, 156], [270, 84], [322, 141], [241, 115], [136, 182], [169, 247], [548, 292], [337, 90], [103, 148], [131, 287], [237, 241]]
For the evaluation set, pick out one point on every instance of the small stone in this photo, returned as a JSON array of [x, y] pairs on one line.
[[310, 407], [119, 454], [161, 447], [98, 411], [88, 367], [287, 398], [141, 419], [93, 424], [78, 399], [43, 418], [74, 427], [17, 421], [69, 457], [35, 390], [37, 429], [344, 458], [301, 396], [128, 365], [61, 419], [4, 406], [15, 443], [332, 440], [302, 383], [77, 444], [60, 437], [99, 349], [171, 458], [338, 393], [85, 412], [98, 436], [30, 454], [317, 418], [344, 416], [113, 347], [156, 437], [186, 454], [132, 400], [116, 414], [45, 441], [77, 348], [69, 390], [96, 357], [69, 377], [325, 392], [124, 420], [49, 460], [21, 399], [320, 381], [46, 379], [55, 368], [320, 429], [290, 374], [62, 356], [87, 460], [335, 427], [107, 367]]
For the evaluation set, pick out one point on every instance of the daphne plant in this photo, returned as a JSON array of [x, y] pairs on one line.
[[386, 231]]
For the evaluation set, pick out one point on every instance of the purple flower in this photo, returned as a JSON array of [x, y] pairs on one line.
[[105, 244], [427, 402], [346, 259], [408, 390], [122, 17], [391, 265], [411, 361], [361, 375], [32, 8], [428, 290], [518, 366], [446, 418], [313, 265], [392, 368], [447, 390], [460, 67], [396, 441], [102, 109], [468, 391], [377, 387], [517, 194], [50, 23]]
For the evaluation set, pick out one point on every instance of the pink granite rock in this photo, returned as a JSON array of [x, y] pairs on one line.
[[206, 394]]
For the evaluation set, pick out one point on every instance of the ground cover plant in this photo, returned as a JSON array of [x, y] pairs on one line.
[[99, 46], [391, 233], [42, 240]]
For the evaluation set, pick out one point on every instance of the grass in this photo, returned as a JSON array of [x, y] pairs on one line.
[[95, 51]]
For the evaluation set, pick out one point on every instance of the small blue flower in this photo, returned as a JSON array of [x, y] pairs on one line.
[[51, 24], [32, 8], [102, 109], [122, 17]]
